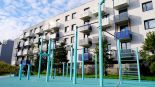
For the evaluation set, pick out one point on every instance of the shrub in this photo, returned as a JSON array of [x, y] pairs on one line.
[[152, 68], [7, 69]]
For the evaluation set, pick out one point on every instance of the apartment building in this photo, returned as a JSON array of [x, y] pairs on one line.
[[129, 20], [6, 49]]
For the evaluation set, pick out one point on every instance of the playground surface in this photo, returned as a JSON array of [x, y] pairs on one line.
[[66, 82]]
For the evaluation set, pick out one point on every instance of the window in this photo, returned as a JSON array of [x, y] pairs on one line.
[[57, 20], [65, 40], [86, 22], [86, 35], [125, 45], [66, 28], [73, 15], [86, 9], [124, 27], [109, 47], [147, 6], [73, 27], [67, 18], [149, 24], [72, 39], [122, 11], [86, 50]]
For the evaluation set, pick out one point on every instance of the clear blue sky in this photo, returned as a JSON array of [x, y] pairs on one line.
[[16, 15]]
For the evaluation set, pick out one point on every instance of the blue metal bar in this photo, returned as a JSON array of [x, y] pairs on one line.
[[82, 63], [54, 72], [119, 60], [40, 57], [96, 68], [75, 55], [52, 59], [63, 74], [138, 66], [28, 72], [67, 70], [71, 63], [20, 71], [48, 61], [100, 42]]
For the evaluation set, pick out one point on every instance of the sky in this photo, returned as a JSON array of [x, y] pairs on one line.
[[17, 15]]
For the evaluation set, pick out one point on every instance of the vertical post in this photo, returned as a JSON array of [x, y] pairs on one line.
[[54, 72], [20, 71], [75, 56], [28, 72], [67, 70], [71, 63], [40, 57], [82, 63], [138, 66], [119, 60], [52, 59], [48, 60], [100, 41], [63, 74], [96, 68]]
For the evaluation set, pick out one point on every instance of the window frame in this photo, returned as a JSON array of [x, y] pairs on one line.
[[66, 29], [145, 4], [67, 18], [73, 15], [72, 29], [147, 21]]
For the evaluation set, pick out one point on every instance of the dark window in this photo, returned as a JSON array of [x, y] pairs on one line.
[[67, 18], [86, 50], [147, 6], [125, 45], [73, 15], [73, 27], [66, 28], [86, 9], [86, 22], [122, 11], [57, 20], [72, 39], [65, 40], [149, 24], [124, 27]]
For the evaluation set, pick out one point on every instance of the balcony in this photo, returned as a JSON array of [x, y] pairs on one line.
[[27, 43], [38, 31], [35, 50], [86, 42], [22, 37], [86, 15], [122, 18], [30, 52], [86, 29], [95, 40], [21, 44], [106, 22], [27, 34], [87, 57], [36, 40], [104, 11], [19, 53], [54, 26], [124, 35], [25, 52], [121, 4], [44, 47]]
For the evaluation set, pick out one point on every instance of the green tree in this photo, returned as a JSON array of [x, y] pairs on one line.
[[148, 51], [105, 54]]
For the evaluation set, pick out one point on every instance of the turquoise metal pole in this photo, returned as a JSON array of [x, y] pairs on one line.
[[63, 69], [54, 72], [96, 68], [82, 63], [71, 63], [28, 72], [119, 60], [52, 59], [138, 66], [20, 71], [40, 57], [48, 60], [75, 55], [67, 70], [100, 42]]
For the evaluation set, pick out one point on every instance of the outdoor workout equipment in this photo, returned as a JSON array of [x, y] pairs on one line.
[[21, 70]]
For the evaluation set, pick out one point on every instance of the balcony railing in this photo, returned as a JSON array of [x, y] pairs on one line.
[[121, 4], [87, 57], [127, 53], [86, 29], [106, 22], [38, 31], [25, 52], [54, 26], [44, 47], [95, 40], [86, 15], [19, 53], [27, 34], [36, 40], [22, 37], [27, 43], [122, 18], [21, 44], [86, 42], [124, 36]]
